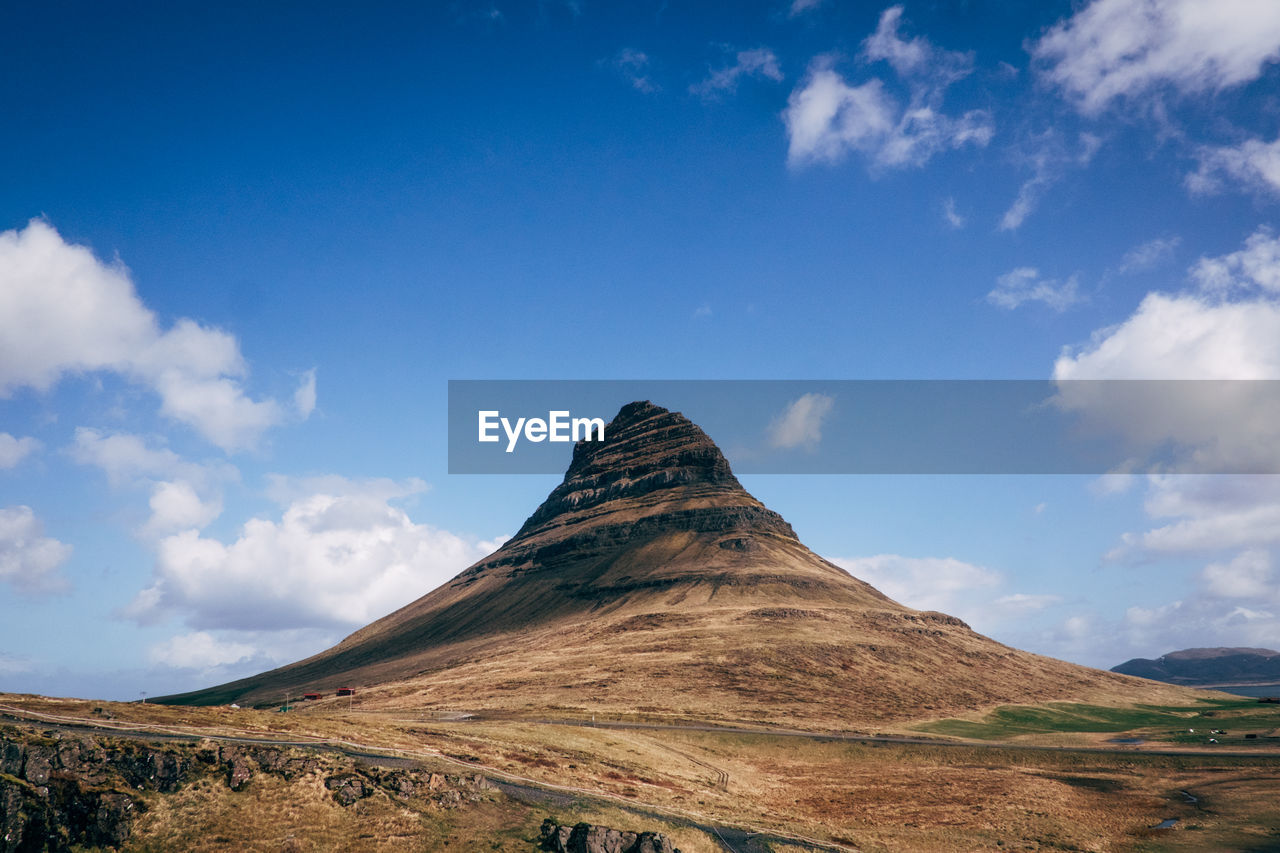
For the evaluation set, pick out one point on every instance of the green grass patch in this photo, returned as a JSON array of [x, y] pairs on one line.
[[1168, 722]]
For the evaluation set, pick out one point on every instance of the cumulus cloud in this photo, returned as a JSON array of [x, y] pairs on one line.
[[183, 494], [1226, 327], [14, 450], [29, 560], [63, 311], [1193, 426], [759, 62], [1199, 514], [1113, 49], [1049, 157], [199, 650], [800, 424], [124, 457], [1235, 602], [1253, 164], [176, 505], [1024, 284], [335, 558], [827, 118], [1182, 336], [1255, 268]]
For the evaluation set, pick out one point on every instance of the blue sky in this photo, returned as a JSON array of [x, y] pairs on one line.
[[243, 248]]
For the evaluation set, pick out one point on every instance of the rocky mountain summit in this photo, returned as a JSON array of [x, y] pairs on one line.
[[651, 581]]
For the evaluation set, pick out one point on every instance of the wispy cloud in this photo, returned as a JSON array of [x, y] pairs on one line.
[[827, 117], [951, 215], [758, 62], [1122, 49], [799, 7], [800, 424], [634, 67], [1253, 165], [1049, 157], [1024, 284], [1149, 254]]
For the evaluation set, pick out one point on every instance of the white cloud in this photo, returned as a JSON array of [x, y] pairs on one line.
[[285, 490], [1024, 284], [1206, 514], [916, 57], [1049, 158], [1256, 267], [949, 213], [634, 65], [62, 311], [183, 494], [1247, 575], [971, 592], [304, 398], [759, 62], [1022, 603], [827, 118], [123, 456], [1192, 426], [799, 7], [1150, 254], [199, 650], [1182, 336], [29, 560], [332, 560], [14, 450], [800, 424], [176, 505], [1130, 48], [925, 583], [1253, 164]]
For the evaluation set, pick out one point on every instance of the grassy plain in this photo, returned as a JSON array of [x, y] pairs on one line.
[[990, 793]]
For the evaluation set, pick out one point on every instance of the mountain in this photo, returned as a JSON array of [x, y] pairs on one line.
[[650, 581], [1202, 667]]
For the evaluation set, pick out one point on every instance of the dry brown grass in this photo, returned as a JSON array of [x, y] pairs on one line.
[[881, 797]]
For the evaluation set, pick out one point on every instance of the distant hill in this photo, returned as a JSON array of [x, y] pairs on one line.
[[1203, 667], [651, 582]]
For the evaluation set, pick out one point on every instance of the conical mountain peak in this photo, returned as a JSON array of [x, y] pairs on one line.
[[647, 451], [650, 580]]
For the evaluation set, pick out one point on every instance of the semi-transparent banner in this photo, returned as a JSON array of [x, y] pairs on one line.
[[889, 426]]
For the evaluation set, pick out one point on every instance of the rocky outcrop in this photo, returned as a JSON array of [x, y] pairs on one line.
[[446, 791], [588, 838], [59, 790]]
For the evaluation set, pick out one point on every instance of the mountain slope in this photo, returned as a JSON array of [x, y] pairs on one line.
[[651, 581], [1214, 666]]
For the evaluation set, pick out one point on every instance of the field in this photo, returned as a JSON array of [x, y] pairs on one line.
[[1030, 778]]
